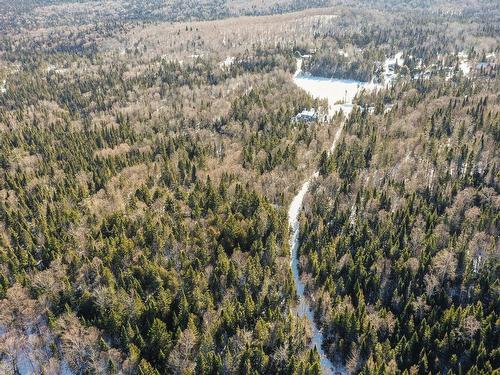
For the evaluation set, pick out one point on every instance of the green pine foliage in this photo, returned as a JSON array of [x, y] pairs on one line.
[[401, 239]]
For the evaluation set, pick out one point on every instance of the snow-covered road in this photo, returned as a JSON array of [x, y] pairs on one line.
[[339, 94]]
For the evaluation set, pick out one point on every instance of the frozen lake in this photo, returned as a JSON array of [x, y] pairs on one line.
[[338, 92]]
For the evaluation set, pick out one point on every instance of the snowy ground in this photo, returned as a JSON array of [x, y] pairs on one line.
[[464, 64], [28, 352], [389, 73], [3, 88], [343, 53], [227, 62]]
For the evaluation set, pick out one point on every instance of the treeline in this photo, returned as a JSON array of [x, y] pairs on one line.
[[336, 65], [101, 86]]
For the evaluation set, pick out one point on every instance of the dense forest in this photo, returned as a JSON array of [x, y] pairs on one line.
[[400, 242], [148, 155], [113, 224]]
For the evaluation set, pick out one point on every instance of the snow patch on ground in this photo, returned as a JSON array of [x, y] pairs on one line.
[[27, 353], [227, 62], [465, 67], [54, 68], [343, 53], [3, 87], [324, 17], [390, 67], [464, 64], [168, 59]]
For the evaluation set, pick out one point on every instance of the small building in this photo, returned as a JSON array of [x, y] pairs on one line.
[[306, 116]]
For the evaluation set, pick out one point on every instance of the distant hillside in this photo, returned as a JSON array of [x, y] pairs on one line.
[[34, 13]]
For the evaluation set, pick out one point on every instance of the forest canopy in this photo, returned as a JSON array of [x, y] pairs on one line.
[[149, 152]]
